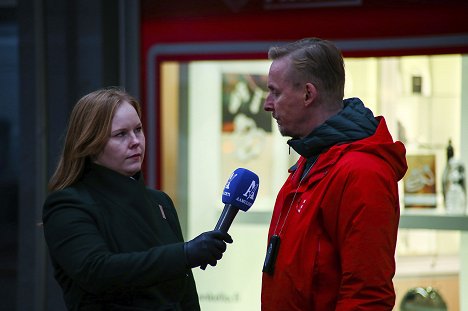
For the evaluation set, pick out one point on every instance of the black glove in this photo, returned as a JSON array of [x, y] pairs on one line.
[[207, 248]]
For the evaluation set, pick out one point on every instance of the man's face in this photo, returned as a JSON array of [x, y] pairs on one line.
[[125, 149], [284, 101]]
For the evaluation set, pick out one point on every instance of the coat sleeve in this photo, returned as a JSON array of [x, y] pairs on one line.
[[366, 232], [78, 248], [190, 299], [171, 211]]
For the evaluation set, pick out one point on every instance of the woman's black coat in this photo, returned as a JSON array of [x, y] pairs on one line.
[[116, 244]]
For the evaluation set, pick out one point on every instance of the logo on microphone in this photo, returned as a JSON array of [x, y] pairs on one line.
[[249, 194], [251, 191], [228, 183]]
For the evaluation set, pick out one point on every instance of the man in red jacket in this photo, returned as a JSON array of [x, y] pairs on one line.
[[333, 232]]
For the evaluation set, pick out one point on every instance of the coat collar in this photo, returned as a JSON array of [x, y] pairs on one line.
[[123, 189]]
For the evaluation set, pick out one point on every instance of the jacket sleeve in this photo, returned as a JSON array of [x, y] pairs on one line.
[[367, 228], [78, 248]]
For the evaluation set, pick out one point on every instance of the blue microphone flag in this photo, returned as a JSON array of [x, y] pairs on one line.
[[241, 189]]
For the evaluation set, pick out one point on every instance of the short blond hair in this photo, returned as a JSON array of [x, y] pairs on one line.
[[314, 60]]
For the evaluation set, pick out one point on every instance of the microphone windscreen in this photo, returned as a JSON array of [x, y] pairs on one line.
[[241, 189]]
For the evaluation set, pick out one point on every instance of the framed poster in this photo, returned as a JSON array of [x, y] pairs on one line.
[[246, 130], [420, 182]]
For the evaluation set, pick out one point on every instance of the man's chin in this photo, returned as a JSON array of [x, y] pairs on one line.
[[284, 132]]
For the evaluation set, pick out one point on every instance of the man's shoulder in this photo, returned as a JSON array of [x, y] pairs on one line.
[[360, 163], [360, 157]]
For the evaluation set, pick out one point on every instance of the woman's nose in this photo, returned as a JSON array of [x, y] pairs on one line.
[[134, 138]]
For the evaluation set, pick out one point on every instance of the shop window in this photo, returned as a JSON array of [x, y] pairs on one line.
[[212, 121]]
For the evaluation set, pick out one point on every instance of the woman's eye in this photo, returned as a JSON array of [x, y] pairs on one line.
[[120, 134], [139, 129]]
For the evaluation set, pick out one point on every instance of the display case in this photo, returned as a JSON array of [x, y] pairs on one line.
[[436, 119]]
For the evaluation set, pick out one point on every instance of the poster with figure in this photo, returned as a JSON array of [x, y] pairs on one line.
[[243, 96], [420, 182], [246, 128]]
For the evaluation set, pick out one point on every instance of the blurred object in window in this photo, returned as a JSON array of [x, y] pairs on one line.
[[423, 299]]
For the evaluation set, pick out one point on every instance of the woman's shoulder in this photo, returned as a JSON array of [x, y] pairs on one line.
[[75, 196], [75, 192]]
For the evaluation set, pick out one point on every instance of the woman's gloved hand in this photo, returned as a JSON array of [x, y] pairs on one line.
[[207, 248]]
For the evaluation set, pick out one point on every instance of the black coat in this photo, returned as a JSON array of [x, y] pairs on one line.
[[116, 244]]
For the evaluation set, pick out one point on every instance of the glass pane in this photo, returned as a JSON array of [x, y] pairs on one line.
[[213, 122]]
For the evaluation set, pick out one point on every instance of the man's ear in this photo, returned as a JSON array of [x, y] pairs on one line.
[[310, 93]]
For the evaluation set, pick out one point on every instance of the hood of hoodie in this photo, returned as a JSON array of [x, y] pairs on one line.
[[353, 128]]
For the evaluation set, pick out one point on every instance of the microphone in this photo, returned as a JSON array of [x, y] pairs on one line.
[[239, 193]]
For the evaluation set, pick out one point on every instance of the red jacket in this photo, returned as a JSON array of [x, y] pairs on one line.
[[338, 241]]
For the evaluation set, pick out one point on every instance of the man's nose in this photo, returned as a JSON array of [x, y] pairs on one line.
[[268, 103]]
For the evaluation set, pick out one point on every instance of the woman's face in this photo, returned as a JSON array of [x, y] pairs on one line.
[[125, 149]]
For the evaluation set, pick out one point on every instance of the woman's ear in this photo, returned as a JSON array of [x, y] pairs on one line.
[[310, 93]]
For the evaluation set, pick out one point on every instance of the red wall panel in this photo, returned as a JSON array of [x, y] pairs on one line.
[[428, 26]]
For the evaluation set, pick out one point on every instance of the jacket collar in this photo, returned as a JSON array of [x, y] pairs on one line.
[[380, 144], [352, 123]]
